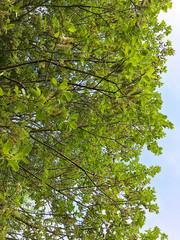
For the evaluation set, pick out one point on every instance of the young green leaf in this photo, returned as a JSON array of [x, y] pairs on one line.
[[54, 81], [55, 22], [14, 165], [63, 85], [68, 95], [73, 125], [75, 116], [1, 92], [72, 29], [6, 147]]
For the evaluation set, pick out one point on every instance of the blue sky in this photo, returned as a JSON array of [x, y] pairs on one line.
[[167, 183]]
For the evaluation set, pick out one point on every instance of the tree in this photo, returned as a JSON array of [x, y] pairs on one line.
[[79, 100]]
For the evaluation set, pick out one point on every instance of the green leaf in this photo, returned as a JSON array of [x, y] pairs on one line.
[[169, 5], [63, 85], [55, 22], [25, 160], [75, 116], [61, 126], [25, 150], [54, 81], [23, 92], [17, 7], [73, 125], [14, 165], [33, 92], [57, 34], [72, 28], [10, 26], [63, 98], [6, 147], [128, 50], [42, 99], [1, 92], [38, 91], [68, 95], [16, 89]]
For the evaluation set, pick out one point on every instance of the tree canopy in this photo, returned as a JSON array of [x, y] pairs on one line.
[[79, 101]]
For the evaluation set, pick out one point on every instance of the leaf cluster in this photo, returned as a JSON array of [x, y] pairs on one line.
[[79, 101]]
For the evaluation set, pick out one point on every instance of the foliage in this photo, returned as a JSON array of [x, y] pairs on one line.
[[79, 100]]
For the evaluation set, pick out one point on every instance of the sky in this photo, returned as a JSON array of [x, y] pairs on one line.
[[167, 183]]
